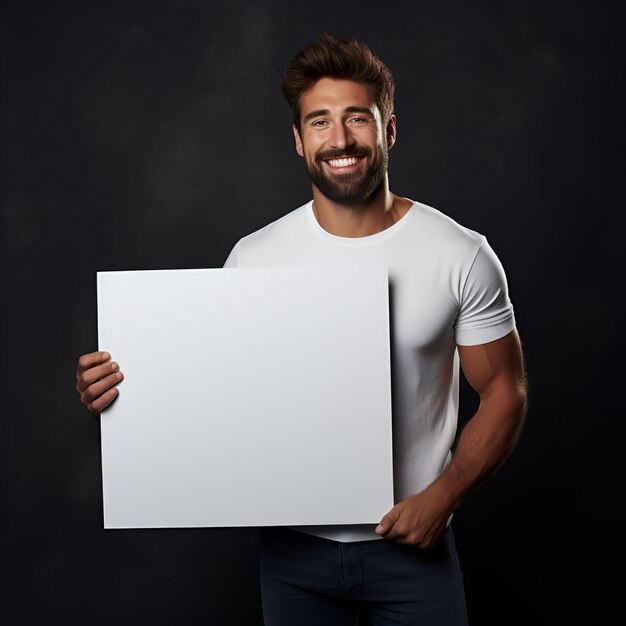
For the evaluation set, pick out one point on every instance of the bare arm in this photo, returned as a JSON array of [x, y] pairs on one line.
[[96, 377], [496, 372]]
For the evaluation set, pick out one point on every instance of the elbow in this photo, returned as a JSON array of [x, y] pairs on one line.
[[521, 399], [518, 411]]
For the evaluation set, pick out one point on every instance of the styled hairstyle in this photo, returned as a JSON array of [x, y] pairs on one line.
[[328, 56]]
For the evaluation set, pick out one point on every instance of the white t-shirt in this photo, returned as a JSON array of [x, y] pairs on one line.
[[447, 287]]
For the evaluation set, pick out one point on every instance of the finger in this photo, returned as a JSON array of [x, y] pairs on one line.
[[396, 533], [387, 522], [103, 401], [94, 374], [93, 392], [87, 361], [402, 533]]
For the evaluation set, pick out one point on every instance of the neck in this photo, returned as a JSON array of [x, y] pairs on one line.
[[380, 211]]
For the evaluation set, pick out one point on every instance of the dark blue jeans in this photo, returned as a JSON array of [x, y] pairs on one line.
[[309, 581]]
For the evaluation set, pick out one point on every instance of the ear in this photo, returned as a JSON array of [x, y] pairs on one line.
[[391, 132], [296, 136]]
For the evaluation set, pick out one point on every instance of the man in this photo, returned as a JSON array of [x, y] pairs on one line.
[[449, 305]]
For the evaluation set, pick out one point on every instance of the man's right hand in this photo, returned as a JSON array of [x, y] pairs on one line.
[[96, 377]]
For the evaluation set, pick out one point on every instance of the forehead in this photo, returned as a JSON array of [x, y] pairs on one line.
[[335, 94]]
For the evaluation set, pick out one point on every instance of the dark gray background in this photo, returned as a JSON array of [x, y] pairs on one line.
[[152, 135]]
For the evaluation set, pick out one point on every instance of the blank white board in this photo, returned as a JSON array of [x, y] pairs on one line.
[[251, 397]]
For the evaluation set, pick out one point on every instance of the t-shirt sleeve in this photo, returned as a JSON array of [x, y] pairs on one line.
[[486, 313], [233, 258]]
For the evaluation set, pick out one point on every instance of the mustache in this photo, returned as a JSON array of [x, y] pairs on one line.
[[346, 152]]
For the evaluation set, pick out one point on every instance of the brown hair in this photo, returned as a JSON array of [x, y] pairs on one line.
[[337, 58]]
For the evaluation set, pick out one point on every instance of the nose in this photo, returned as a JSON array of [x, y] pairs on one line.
[[341, 137]]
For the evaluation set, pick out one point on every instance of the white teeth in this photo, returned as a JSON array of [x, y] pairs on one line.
[[343, 162]]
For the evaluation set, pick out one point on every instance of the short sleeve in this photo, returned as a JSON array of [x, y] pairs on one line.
[[486, 313], [233, 258]]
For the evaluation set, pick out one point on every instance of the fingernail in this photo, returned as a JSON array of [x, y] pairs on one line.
[[378, 529]]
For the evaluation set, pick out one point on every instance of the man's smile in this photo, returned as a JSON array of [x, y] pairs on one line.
[[344, 163]]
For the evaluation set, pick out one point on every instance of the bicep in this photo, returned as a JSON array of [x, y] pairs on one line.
[[497, 366]]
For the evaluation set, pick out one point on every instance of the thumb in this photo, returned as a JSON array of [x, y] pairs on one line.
[[388, 520]]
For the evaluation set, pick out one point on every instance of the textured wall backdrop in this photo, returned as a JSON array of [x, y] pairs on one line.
[[152, 135]]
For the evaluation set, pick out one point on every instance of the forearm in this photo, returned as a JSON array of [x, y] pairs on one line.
[[485, 442]]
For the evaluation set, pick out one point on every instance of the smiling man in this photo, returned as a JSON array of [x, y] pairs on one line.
[[450, 308]]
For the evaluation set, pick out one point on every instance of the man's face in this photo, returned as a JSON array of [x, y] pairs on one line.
[[342, 140]]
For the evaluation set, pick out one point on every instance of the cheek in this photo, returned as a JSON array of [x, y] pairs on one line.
[[311, 148], [374, 138]]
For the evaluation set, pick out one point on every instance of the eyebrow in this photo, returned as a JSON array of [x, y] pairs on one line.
[[322, 112]]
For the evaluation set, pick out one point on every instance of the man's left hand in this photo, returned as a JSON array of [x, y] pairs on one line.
[[418, 521]]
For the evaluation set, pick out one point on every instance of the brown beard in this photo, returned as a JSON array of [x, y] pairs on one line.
[[352, 187]]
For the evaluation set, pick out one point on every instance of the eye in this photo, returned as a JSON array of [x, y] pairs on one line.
[[357, 119], [319, 123]]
